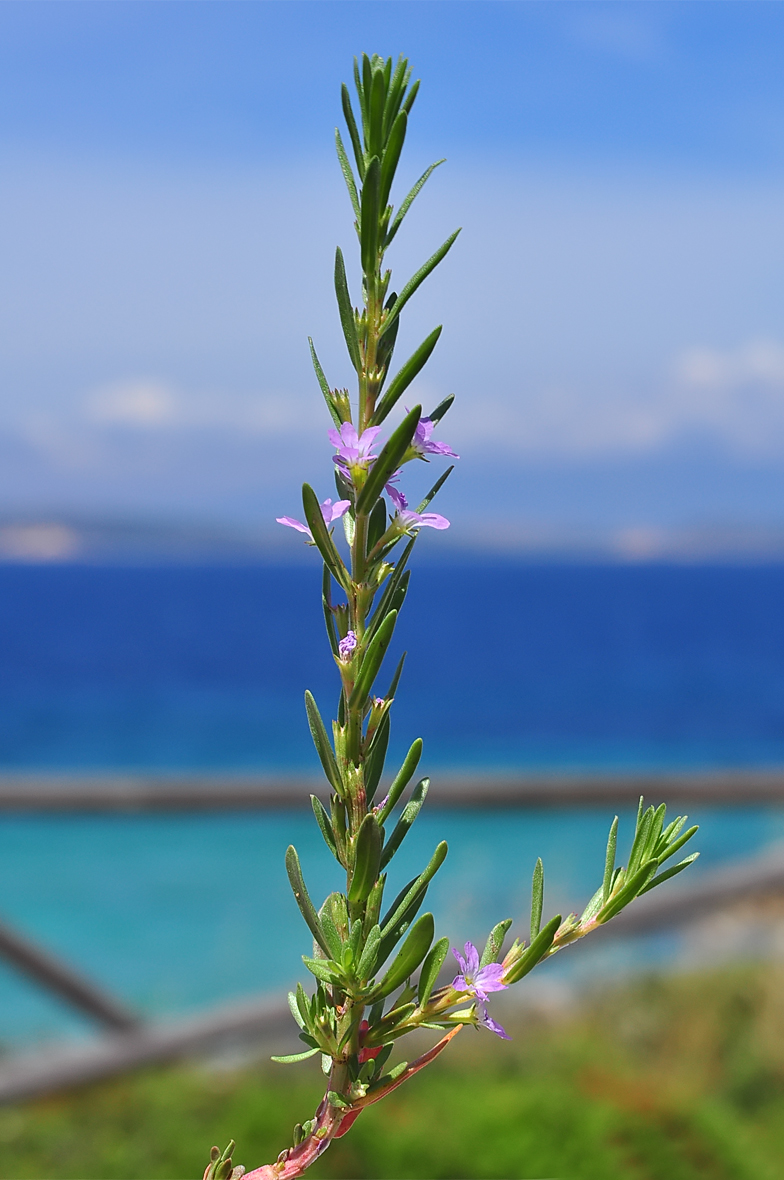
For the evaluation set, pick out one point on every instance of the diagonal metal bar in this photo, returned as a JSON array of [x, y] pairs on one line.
[[58, 977]]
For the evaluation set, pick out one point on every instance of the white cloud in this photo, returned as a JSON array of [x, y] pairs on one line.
[[132, 403]]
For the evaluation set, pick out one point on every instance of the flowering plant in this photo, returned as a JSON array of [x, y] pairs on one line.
[[366, 953]]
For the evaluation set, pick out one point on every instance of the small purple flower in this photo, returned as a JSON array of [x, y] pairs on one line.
[[424, 445], [347, 645], [353, 450], [331, 512], [414, 520], [476, 980], [486, 1021]]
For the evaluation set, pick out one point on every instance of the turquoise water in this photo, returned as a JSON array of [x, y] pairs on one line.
[[176, 913]]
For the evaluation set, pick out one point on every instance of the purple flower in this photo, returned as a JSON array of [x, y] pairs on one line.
[[353, 450], [424, 445], [347, 645], [331, 512], [486, 1021], [414, 520], [476, 980]]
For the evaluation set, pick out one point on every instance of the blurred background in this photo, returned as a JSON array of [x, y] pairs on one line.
[[606, 607]]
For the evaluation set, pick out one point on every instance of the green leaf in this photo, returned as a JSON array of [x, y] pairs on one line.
[[367, 857], [405, 375], [388, 460], [351, 123], [630, 890], [374, 765], [409, 200], [366, 966], [373, 658], [376, 120], [292, 1058], [325, 825], [408, 958], [403, 826], [535, 952], [322, 744], [348, 175], [671, 872], [437, 414], [677, 844], [369, 204], [537, 898], [326, 605], [436, 488], [331, 933], [302, 897], [391, 157], [367, 89], [394, 94], [391, 691], [321, 537], [428, 976], [400, 906], [407, 105], [494, 942], [324, 384], [393, 582], [416, 280], [295, 1011], [402, 779], [377, 524], [347, 318], [609, 860], [327, 970]]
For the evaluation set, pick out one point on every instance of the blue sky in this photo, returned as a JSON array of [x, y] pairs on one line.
[[613, 311]]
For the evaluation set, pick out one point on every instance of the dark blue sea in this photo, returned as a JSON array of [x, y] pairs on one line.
[[511, 667]]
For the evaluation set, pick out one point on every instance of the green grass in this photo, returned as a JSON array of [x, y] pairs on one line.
[[668, 1079]]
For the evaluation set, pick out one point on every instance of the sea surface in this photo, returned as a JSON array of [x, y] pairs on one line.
[[510, 668]]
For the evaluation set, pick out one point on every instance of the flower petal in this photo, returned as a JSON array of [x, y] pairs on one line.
[[294, 524]]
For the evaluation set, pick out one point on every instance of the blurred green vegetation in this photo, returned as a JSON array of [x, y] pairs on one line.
[[664, 1079]]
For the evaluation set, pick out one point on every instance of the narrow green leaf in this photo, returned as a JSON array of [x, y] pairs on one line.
[[609, 860], [332, 935], [408, 958], [638, 843], [632, 887], [321, 537], [443, 406], [325, 824], [351, 123], [410, 97], [494, 942], [401, 779], [537, 898], [376, 120], [366, 967], [366, 863], [373, 658], [678, 844], [347, 318], [393, 582], [302, 897], [326, 605], [390, 693], [324, 384], [403, 826], [388, 460], [671, 872], [348, 175], [327, 970], [428, 976], [405, 375], [295, 1011], [391, 158], [417, 279], [409, 200], [367, 90], [394, 94], [292, 1058], [535, 952], [399, 907], [323, 745], [374, 765], [436, 488], [377, 524], [369, 205]]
